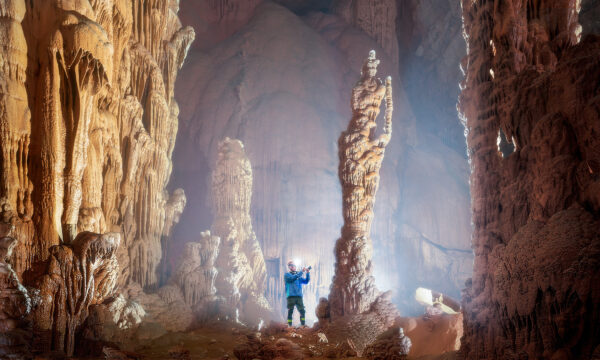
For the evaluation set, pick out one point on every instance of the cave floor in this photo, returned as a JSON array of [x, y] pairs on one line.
[[218, 341]]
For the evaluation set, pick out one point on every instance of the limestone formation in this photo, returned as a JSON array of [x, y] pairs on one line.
[[15, 305], [361, 152], [530, 104], [241, 277], [196, 275], [96, 78], [87, 126], [67, 283]]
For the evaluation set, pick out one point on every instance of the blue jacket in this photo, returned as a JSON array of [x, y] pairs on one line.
[[293, 283]]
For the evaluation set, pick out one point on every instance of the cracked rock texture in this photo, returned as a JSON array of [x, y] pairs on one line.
[[530, 103]]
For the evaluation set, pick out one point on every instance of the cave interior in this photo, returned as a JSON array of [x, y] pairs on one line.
[[294, 179]]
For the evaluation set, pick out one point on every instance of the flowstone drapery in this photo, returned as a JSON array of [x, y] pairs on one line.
[[361, 152], [96, 78]]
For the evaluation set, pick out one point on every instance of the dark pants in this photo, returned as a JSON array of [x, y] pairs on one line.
[[297, 302]]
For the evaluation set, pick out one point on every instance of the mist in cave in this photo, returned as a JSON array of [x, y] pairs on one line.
[[277, 179]]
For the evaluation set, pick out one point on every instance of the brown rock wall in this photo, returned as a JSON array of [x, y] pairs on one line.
[[66, 284], [530, 106]]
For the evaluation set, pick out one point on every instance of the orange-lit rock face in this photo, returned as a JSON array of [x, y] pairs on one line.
[[433, 334], [353, 290], [87, 135], [535, 211], [87, 126]]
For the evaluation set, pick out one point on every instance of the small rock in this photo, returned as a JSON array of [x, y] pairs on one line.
[[322, 338]]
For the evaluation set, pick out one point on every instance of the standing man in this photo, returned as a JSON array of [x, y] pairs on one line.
[[293, 291]]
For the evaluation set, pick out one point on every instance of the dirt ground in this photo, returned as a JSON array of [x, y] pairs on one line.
[[224, 340]]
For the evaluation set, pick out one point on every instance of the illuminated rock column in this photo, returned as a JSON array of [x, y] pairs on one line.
[[353, 290]]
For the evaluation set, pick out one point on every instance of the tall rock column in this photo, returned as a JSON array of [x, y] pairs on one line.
[[241, 277], [353, 290], [530, 105]]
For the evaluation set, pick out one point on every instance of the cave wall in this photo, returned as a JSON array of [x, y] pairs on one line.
[[89, 126], [531, 108]]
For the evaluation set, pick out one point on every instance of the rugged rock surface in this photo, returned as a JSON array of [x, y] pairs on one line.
[[66, 284], [530, 105], [433, 335], [96, 78], [392, 344], [361, 153], [355, 303], [88, 127], [15, 305], [589, 16]]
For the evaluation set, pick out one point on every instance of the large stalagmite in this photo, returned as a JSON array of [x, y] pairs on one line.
[[353, 290], [530, 103], [241, 277]]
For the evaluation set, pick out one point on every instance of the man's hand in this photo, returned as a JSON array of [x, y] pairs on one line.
[[305, 269]]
